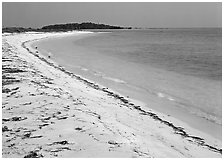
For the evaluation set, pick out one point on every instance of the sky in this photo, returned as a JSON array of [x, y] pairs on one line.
[[133, 14]]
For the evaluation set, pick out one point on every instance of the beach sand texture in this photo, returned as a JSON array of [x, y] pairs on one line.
[[50, 112]]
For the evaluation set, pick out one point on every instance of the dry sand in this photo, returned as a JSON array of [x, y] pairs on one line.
[[50, 112]]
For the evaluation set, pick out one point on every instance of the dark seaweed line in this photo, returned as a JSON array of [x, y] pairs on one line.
[[178, 130]]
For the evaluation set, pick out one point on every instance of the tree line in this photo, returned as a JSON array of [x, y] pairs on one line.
[[63, 27]]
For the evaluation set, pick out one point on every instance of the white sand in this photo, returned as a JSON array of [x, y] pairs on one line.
[[49, 112]]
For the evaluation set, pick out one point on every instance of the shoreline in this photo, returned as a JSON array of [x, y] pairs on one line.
[[177, 131], [164, 91], [141, 106]]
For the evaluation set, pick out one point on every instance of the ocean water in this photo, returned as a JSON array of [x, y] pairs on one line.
[[174, 71]]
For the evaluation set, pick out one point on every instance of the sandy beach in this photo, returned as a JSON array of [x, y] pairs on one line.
[[48, 111]]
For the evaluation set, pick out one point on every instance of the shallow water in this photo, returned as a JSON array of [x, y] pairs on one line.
[[174, 71]]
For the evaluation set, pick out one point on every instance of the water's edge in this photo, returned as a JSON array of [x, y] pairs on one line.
[[128, 103], [156, 95]]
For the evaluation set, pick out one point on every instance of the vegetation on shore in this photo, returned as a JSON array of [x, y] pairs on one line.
[[62, 27]]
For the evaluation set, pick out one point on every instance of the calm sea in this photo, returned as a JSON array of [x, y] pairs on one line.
[[196, 52], [174, 71]]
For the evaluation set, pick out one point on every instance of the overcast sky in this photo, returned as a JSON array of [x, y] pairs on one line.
[[144, 14]]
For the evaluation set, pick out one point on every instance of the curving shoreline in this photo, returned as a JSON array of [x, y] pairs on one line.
[[195, 101], [174, 139]]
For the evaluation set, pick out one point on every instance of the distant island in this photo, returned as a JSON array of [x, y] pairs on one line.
[[63, 27], [85, 25]]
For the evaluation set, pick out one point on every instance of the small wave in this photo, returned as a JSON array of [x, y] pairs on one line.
[[99, 74], [84, 69], [193, 110], [206, 116], [171, 99], [162, 95], [114, 80]]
